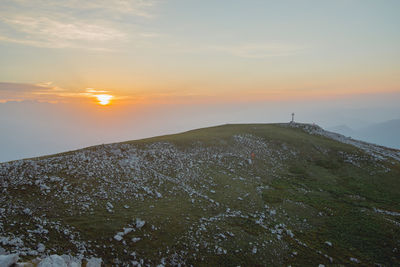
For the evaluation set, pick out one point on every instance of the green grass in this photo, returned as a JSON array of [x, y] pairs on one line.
[[315, 193]]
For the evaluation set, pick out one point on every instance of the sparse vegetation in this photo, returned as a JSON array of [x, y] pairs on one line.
[[304, 199]]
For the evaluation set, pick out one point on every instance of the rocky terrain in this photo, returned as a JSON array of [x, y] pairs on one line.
[[256, 194]]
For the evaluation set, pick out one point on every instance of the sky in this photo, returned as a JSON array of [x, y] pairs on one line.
[[165, 66]]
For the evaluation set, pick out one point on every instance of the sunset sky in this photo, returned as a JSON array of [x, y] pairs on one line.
[[216, 58]]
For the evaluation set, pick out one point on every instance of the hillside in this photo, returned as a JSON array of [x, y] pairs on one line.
[[248, 195]]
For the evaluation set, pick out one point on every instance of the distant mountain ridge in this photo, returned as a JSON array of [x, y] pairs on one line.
[[240, 194], [342, 129], [385, 133]]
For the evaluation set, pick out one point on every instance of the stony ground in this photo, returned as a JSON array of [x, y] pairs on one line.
[[257, 194]]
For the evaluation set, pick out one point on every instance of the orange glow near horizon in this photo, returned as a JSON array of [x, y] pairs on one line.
[[104, 99]]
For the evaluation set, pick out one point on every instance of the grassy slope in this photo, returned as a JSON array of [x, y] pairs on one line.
[[304, 183]]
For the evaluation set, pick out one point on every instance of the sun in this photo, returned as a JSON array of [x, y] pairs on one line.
[[104, 99]]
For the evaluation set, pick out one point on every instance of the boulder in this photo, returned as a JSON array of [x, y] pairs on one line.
[[53, 261], [8, 260], [94, 262]]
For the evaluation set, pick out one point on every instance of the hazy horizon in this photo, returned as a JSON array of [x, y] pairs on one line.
[[34, 129], [75, 74]]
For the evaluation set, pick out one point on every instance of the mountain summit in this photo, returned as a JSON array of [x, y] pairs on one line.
[[249, 195]]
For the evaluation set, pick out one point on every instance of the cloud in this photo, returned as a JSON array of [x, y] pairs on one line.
[[95, 25], [47, 92], [131, 7], [18, 87], [57, 30], [42, 92], [259, 50], [91, 90], [45, 32]]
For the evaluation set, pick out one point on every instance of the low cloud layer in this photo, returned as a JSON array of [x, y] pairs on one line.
[[23, 91], [31, 129], [44, 92]]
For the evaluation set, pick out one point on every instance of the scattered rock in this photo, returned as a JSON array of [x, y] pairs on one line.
[[94, 262], [139, 223], [41, 248], [8, 260], [118, 237], [53, 261], [72, 261], [27, 211]]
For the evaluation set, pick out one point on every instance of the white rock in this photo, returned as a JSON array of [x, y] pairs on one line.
[[71, 261], [393, 213], [118, 237], [94, 262], [24, 264], [41, 248], [8, 260], [127, 230], [328, 243], [354, 260], [139, 223], [53, 261], [27, 211]]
